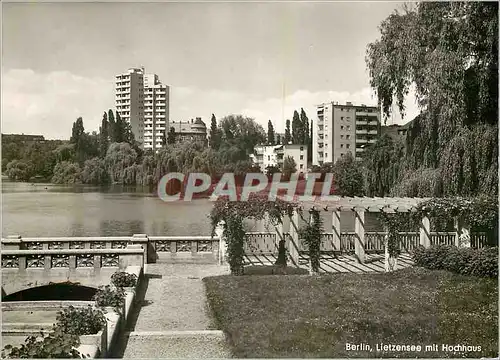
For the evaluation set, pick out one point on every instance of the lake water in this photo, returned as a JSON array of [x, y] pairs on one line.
[[38, 210]]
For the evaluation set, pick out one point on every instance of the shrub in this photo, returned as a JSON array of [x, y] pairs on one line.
[[54, 345], [465, 261], [83, 321], [64, 338], [123, 279], [108, 296]]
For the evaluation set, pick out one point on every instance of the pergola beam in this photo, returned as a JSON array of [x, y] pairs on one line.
[[330, 203]]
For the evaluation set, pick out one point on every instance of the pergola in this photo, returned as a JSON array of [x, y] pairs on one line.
[[334, 205]]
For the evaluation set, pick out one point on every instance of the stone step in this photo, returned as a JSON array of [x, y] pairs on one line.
[[25, 332], [185, 260], [200, 344], [6, 327]]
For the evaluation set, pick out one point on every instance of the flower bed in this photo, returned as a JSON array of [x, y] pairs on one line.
[[84, 331]]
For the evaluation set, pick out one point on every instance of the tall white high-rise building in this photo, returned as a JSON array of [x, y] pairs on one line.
[[143, 101]]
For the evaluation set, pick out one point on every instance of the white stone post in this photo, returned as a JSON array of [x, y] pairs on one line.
[[138, 259], [336, 229], [359, 228], [219, 232], [294, 237], [425, 232], [390, 262]]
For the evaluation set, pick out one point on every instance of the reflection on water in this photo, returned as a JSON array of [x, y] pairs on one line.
[[55, 210], [121, 228]]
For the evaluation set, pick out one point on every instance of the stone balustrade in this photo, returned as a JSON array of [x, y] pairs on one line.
[[96, 252], [72, 258], [17, 242], [261, 243], [186, 248]]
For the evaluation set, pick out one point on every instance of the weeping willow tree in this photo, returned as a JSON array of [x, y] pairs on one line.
[[120, 160], [449, 52], [382, 166]]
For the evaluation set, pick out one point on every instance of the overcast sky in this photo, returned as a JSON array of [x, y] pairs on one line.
[[261, 60]]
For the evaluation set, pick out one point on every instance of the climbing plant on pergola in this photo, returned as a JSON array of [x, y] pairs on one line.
[[232, 214]]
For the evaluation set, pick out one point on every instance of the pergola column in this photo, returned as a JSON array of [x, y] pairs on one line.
[[425, 232], [279, 236], [359, 228], [336, 229], [390, 262], [293, 238], [219, 232]]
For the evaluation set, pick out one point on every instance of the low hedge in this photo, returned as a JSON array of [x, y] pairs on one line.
[[464, 261]]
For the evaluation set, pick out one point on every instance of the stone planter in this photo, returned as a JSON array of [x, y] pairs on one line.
[[98, 340], [113, 319], [109, 310], [128, 304]]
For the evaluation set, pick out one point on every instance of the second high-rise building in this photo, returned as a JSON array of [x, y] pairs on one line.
[[343, 128], [143, 101]]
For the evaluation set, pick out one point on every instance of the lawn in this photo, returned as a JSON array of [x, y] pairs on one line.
[[316, 316]]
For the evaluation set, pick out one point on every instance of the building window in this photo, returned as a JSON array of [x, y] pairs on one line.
[[341, 146], [301, 157], [348, 146], [348, 137], [301, 166], [341, 154], [348, 127], [341, 118], [269, 157], [326, 154], [301, 148], [341, 127], [341, 136]]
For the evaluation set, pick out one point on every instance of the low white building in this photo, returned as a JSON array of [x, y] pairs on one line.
[[273, 155]]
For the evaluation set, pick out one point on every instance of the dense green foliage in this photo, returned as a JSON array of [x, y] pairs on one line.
[[311, 234], [63, 339], [479, 213], [113, 157], [270, 133], [464, 261], [55, 345], [121, 279], [449, 52], [289, 166], [215, 134], [231, 215], [382, 164], [394, 223], [22, 161], [108, 296], [348, 178], [80, 321], [288, 134]]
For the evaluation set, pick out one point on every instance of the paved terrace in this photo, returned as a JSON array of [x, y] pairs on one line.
[[173, 320]]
